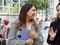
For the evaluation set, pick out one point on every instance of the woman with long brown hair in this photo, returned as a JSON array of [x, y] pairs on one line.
[[26, 20]]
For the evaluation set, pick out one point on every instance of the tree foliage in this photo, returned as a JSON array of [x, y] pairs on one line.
[[4, 2], [40, 4], [15, 8]]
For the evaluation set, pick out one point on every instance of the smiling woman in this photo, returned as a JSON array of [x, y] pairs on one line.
[[54, 31], [26, 21]]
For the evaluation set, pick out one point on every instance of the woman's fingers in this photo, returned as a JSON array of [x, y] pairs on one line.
[[55, 31], [49, 31], [52, 33], [29, 32], [52, 29]]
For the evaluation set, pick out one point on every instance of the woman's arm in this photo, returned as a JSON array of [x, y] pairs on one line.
[[48, 40], [51, 34], [12, 37], [40, 40]]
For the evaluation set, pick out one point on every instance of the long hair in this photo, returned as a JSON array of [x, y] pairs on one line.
[[23, 14], [57, 18]]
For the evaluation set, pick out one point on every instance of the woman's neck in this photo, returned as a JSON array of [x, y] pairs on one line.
[[27, 24], [27, 21]]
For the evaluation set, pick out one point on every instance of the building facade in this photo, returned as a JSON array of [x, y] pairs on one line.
[[10, 6], [53, 4]]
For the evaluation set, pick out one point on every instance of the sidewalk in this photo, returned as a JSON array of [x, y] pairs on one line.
[[45, 34]]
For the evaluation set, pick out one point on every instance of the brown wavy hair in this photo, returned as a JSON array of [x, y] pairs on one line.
[[5, 21], [22, 16]]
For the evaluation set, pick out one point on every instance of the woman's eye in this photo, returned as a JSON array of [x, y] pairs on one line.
[[57, 9], [34, 10]]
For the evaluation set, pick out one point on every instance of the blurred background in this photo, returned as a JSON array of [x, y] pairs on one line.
[[11, 8], [46, 12]]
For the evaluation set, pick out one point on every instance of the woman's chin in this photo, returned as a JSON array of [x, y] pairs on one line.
[[59, 16]]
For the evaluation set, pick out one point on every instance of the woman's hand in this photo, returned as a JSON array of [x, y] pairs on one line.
[[29, 42], [52, 33], [32, 34], [1, 33]]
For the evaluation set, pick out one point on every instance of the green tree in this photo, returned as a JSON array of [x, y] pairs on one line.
[[15, 8], [6, 6], [40, 4], [6, 10], [46, 3], [4, 2], [35, 2]]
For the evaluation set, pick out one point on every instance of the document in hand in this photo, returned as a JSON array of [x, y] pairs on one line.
[[22, 34]]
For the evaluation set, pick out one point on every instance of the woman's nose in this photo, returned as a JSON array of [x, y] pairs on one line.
[[59, 12], [35, 12]]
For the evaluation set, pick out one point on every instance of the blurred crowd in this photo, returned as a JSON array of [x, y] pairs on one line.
[[5, 25], [44, 24]]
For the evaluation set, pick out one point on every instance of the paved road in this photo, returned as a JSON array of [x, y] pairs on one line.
[[45, 34]]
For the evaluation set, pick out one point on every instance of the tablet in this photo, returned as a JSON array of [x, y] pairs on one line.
[[22, 34]]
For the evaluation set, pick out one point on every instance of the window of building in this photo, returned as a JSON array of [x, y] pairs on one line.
[[6, 9], [9, 6], [1, 9], [15, 8], [0, 2], [15, 0], [51, 11]]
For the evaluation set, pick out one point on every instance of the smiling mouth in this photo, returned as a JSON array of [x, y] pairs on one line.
[[59, 15], [33, 15]]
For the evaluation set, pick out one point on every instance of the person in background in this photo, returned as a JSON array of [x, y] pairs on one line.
[[26, 20], [42, 24], [1, 21], [54, 31], [5, 27], [47, 24], [1, 24]]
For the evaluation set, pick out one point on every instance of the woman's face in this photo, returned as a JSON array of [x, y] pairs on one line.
[[31, 13], [58, 11]]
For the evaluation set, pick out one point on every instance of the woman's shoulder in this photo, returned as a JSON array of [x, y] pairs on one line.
[[54, 23]]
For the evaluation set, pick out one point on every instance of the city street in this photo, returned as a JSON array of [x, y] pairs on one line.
[[45, 34]]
